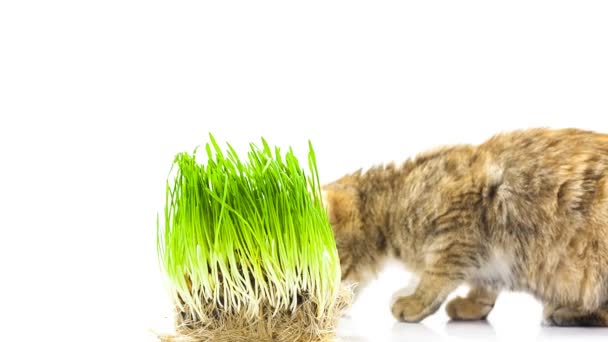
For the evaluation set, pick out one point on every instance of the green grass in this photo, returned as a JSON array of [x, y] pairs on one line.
[[240, 236]]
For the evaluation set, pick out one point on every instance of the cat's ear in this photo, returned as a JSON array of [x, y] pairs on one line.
[[341, 202]]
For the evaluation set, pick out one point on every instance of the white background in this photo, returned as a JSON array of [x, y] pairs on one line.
[[97, 96]]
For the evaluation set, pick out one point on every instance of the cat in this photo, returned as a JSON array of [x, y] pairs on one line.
[[525, 210]]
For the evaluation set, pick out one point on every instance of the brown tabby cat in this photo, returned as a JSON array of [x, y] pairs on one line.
[[526, 210]]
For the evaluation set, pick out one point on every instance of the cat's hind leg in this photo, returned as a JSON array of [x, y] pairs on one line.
[[569, 317], [475, 306]]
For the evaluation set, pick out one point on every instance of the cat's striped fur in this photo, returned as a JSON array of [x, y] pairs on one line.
[[526, 210]]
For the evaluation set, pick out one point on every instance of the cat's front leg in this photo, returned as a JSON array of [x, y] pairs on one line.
[[430, 293], [475, 306]]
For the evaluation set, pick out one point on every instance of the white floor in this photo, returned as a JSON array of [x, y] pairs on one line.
[[463, 331], [516, 317]]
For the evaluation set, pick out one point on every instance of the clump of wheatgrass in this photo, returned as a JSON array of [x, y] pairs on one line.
[[247, 249]]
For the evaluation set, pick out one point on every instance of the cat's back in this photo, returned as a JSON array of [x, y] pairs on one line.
[[548, 176], [550, 145], [535, 156]]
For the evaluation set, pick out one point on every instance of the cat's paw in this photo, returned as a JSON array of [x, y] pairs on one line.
[[566, 317], [408, 309], [466, 309], [403, 292]]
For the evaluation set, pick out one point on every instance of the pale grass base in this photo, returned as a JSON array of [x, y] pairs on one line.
[[300, 326]]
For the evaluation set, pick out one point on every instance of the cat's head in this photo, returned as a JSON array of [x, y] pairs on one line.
[[342, 201]]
